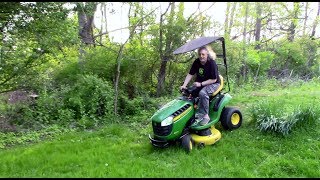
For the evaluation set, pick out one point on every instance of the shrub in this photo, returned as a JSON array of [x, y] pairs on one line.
[[85, 104], [135, 105]]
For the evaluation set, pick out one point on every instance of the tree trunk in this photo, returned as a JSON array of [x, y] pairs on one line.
[[105, 19], [226, 35], [316, 21], [163, 57], [305, 18], [161, 77], [117, 79], [258, 25], [231, 17], [141, 27], [294, 21], [244, 66], [85, 19], [101, 22]]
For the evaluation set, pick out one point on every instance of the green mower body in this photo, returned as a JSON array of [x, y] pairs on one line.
[[177, 118]]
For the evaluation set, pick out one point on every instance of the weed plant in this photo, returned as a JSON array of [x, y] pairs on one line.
[[275, 115]]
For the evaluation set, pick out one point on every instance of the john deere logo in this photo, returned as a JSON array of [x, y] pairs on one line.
[[201, 71]]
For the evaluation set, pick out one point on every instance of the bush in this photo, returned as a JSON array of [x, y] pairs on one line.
[[135, 105], [87, 103]]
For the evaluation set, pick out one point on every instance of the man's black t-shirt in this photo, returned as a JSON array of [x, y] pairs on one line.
[[204, 72]]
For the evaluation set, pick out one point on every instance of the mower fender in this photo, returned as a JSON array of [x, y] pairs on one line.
[[215, 115], [225, 100]]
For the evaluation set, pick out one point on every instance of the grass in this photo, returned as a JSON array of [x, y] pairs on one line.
[[123, 150]]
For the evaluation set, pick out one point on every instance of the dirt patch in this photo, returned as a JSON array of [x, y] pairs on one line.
[[6, 126], [14, 97], [19, 96]]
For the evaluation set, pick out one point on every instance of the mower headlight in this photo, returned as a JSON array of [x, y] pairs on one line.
[[167, 121]]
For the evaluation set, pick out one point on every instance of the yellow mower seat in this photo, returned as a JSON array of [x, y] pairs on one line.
[[220, 87]]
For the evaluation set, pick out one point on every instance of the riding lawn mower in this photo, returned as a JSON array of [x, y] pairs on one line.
[[175, 122]]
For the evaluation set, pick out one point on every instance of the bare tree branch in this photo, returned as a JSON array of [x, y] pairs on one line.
[[200, 12], [107, 32], [160, 31], [236, 36], [270, 38]]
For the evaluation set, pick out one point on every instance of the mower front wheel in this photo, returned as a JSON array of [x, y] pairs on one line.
[[187, 142], [231, 118]]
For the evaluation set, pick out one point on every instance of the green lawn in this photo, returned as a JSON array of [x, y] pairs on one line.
[[123, 150]]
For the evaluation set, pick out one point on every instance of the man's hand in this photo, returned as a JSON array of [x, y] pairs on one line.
[[182, 88], [197, 84]]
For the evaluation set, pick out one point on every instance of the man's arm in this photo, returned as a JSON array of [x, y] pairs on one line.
[[186, 81], [209, 81]]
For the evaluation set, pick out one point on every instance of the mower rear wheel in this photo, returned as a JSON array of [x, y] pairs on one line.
[[231, 118], [187, 143]]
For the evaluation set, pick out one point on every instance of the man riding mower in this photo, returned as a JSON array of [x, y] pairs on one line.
[[176, 121]]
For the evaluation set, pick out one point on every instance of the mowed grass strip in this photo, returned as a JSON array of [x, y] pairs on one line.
[[116, 151]]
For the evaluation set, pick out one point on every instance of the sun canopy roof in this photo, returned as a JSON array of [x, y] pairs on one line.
[[196, 43]]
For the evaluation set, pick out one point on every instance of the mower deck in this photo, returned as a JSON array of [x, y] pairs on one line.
[[208, 139]]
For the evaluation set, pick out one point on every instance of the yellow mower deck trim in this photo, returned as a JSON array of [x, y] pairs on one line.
[[207, 140]]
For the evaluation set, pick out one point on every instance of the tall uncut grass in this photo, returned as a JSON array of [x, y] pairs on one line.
[[275, 115]]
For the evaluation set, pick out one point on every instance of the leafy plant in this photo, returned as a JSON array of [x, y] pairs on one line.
[[24, 137], [87, 103], [276, 116]]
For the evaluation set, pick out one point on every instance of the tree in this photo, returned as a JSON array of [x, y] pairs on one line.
[[31, 32], [305, 18], [316, 21], [258, 25], [174, 33], [164, 55], [226, 27], [294, 21], [244, 66], [132, 29], [233, 9], [86, 12]]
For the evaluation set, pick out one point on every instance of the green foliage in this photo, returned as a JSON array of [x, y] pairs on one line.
[[276, 116], [234, 59], [33, 34], [87, 103], [311, 52], [135, 106], [101, 62], [137, 68], [66, 75], [259, 61], [63, 70], [291, 54], [295, 58], [23, 138]]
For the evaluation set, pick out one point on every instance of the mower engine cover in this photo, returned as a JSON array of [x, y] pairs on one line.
[[169, 121]]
